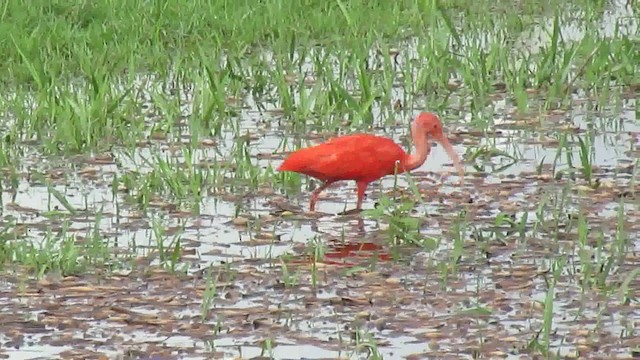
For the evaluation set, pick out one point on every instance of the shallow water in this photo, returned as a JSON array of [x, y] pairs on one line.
[[491, 304]]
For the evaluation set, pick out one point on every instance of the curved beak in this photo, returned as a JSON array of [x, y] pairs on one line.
[[442, 140]]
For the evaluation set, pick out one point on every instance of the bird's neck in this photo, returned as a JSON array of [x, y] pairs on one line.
[[423, 147]]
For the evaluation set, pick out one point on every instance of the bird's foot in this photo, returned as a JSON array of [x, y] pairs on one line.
[[350, 212], [315, 214]]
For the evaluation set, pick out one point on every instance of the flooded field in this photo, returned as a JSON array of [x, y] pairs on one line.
[[142, 216]]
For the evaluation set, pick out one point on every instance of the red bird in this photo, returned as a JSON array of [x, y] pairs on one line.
[[366, 158]]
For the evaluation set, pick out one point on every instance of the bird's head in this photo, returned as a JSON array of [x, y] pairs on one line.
[[429, 125]]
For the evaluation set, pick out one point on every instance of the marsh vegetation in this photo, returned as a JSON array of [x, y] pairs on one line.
[[141, 214]]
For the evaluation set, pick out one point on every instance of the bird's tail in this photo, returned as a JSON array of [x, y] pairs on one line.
[[294, 162], [287, 165]]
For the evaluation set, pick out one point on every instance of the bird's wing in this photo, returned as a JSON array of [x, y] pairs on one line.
[[353, 157]]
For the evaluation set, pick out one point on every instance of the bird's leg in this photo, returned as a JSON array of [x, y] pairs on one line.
[[315, 193], [362, 187]]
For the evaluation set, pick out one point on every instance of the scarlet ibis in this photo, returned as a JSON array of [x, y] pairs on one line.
[[366, 158]]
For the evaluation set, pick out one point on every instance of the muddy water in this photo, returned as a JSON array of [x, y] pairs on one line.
[[490, 304], [617, 19]]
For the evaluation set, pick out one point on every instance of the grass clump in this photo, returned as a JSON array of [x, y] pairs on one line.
[[64, 252]]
